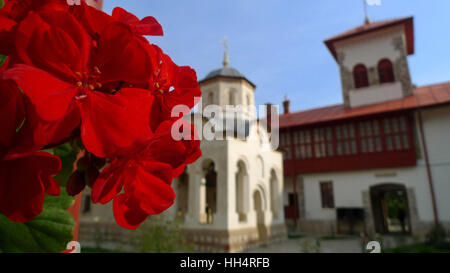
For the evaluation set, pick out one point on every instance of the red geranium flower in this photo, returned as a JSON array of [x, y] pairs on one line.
[[21, 192], [172, 86], [85, 82], [94, 21], [145, 176]]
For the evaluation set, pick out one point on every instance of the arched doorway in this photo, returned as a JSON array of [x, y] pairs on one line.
[[259, 209], [210, 191], [182, 195], [390, 208], [241, 191], [274, 204]]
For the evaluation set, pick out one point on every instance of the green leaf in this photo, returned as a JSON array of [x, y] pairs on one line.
[[68, 155], [2, 57], [48, 232], [2, 3]]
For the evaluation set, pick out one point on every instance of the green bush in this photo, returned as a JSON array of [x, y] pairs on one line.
[[158, 235]]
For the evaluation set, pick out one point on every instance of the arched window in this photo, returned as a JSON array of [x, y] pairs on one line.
[[231, 99], [385, 71], [360, 76], [210, 98]]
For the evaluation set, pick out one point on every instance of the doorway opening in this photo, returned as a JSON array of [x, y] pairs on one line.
[[390, 209], [210, 192], [259, 208]]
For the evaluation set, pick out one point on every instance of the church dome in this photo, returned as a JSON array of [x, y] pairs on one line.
[[224, 72]]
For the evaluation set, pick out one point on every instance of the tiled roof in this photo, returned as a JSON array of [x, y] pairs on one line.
[[227, 72], [374, 26], [424, 96]]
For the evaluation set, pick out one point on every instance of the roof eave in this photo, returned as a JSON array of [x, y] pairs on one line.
[[409, 32], [221, 76]]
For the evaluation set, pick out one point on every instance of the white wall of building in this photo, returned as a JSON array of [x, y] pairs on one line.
[[349, 186], [436, 126], [369, 50]]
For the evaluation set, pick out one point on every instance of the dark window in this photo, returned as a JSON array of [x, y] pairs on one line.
[[360, 76], [385, 71], [285, 144], [303, 144], [396, 133], [349, 139], [346, 140], [326, 193], [370, 139], [291, 197], [87, 203]]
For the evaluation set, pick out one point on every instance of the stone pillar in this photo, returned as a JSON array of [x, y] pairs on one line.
[[401, 68], [413, 213], [367, 203], [220, 217], [301, 197], [202, 199], [246, 194], [194, 207], [374, 78], [347, 82]]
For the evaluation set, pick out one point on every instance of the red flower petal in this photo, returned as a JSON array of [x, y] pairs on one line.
[[53, 41], [122, 56], [12, 112], [149, 26], [127, 213], [121, 15], [76, 183], [51, 96], [37, 133], [92, 19], [151, 187], [114, 122], [110, 182], [22, 192]]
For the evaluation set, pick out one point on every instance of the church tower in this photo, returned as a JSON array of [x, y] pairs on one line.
[[227, 86], [372, 60]]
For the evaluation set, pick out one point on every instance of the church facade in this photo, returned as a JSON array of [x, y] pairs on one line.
[[231, 198], [379, 162]]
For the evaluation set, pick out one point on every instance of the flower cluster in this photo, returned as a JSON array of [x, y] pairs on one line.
[[76, 74]]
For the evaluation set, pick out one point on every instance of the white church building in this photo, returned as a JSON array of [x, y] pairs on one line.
[[231, 198]]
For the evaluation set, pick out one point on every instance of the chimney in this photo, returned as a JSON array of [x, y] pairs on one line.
[[286, 105]]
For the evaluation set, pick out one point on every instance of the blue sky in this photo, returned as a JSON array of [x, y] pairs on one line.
[[279, 46]]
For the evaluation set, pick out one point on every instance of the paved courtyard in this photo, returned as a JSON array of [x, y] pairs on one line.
[[309, 244]]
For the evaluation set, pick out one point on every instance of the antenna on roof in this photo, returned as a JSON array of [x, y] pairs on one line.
[[366, 14], [226, 59]]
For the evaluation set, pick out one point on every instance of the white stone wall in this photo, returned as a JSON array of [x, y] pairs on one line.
[[255, 153], [369, 50], [220, 90], [436, 128], [348, 188]]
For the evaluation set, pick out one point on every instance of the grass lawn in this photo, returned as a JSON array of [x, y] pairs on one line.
[[421, 248]]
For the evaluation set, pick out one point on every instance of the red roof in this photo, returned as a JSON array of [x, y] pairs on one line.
[[375, 26], [424, 96]]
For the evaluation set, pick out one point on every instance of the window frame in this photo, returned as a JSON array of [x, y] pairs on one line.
[[327, 194], [360, 76], [385, 71]]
